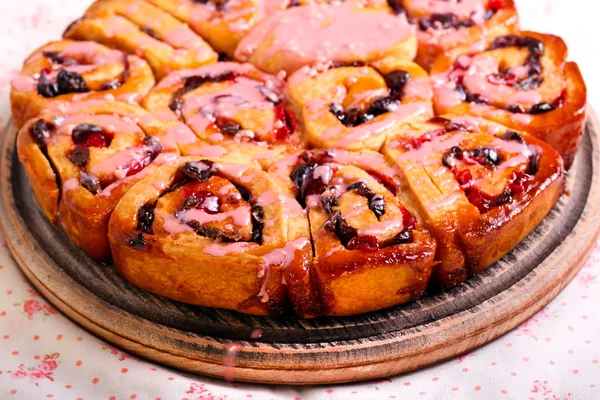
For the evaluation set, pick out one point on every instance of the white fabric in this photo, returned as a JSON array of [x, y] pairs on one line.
[[555, 355]]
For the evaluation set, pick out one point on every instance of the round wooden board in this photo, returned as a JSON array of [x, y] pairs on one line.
[[323, 350]]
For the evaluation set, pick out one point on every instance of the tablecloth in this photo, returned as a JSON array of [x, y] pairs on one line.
[[43, 355]]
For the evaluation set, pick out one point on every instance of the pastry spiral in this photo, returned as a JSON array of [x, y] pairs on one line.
[[230, 107], [522, 81], [317, 33], [443, 25], [212, 232], [358, 106], [138, 27], [63, 72], [480, 186], [81, 164], [370, 252]]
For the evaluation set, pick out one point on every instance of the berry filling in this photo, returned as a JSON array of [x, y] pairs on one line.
[[66, 82], [89, 182], [145, 217], [41, 132], [458, 161], [90, 135], [199, 171], [395, 81]]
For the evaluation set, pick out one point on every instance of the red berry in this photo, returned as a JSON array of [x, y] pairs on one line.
[[363, 243]]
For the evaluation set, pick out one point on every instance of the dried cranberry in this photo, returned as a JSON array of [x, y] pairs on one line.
[[149, 31], [534, 162], [342, 64], [514, 108], [111, 85], [449, 159], [46, 88], [397, 6], [328, 202], [199, 171], [485, 156], [417, 142], [377, 205], [541, 108], [338, 225], [464, 177], [513, 136], [70, 82], [227, 126], [145, 218], [41, 132], [284, 124], [315, 185], [363, 243], [300, 173], [408, 220], [269, 94], [138, 242], [90, 135], [258, 220], [79, 155], [402, 237], [482, 201], [202, 200], [154, 147], [89, 182], [386, 181], [176, 105], [519, 182], [395, 81]]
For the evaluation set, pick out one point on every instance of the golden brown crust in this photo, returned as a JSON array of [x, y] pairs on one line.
[[80, 164], [480, 186], [107, 74], [190, 264], [386, 259], [138, 27], [562, 88]]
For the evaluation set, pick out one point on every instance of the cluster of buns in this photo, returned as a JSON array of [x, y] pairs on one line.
[[306, 156]]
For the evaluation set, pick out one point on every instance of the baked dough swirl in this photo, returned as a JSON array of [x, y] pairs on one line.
[[522, 81], [480, 186], [370, 251], [60, 73], [81, 164], [138, 27], [215, 233], [357, 106], [230, 107]]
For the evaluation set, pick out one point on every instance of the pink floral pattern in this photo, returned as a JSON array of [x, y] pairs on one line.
[[555, 355], [43, 370]]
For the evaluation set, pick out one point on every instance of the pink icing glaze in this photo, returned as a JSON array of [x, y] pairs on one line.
[[70, 184], [285, 256], [240, 216], [356, 211], [176, 135], [323, 172], [183, 37], [476, 81], [209, 151], [418, 88], [178, 77], [320, 32], [334, 250], [524, 119], [221, 249], [460, 8], [381, 228], [242, 93], [110, 123], [368, 129], [165, 158], [120, 163], [446, 201], [234, 170]]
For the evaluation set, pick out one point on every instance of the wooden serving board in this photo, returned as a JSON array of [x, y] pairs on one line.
[[291, 351]]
